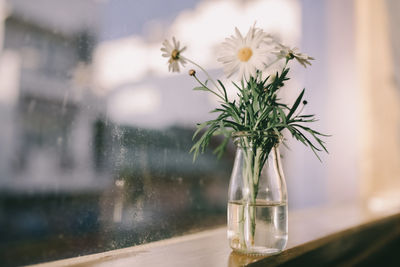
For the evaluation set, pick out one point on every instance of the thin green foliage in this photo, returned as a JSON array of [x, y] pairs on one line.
[[259, 113]]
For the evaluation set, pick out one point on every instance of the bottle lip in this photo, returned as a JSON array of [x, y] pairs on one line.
[[271, 134]]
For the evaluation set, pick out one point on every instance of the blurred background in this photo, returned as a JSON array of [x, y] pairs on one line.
[[95, 132]]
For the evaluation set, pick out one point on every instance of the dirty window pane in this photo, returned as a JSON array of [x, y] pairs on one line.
[[91, 157]]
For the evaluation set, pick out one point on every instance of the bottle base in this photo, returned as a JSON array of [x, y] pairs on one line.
[[258, 251]]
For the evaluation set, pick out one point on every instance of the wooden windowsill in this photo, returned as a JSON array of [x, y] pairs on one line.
[[338, 230]]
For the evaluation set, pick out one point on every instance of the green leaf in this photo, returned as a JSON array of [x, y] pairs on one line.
[[199, 128], [295, 105], [219, 151], [223, 88]]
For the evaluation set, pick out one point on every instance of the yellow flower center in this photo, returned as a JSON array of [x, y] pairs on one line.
[[175, 54], [244, 54]]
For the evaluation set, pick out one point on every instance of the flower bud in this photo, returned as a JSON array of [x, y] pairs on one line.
[[192, 72]]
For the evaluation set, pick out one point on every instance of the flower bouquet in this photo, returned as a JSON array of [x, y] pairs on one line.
[[255, 120]]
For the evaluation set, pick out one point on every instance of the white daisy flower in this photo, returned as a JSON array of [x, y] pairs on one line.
[[173, 52], [290, 53], [245, 55]]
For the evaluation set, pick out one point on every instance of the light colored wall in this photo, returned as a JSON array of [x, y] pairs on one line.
[[331, 90], [380, 142]]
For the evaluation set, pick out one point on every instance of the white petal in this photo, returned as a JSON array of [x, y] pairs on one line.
[[238, 34], [227, 58], [232, 67], [241, 71], [168, 46]]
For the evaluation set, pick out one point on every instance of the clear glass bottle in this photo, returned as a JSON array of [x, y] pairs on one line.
[[257, 207]]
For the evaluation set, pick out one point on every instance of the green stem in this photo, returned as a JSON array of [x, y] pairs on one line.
[[202, 84], [252, 160], [272, 63], [206, 73]]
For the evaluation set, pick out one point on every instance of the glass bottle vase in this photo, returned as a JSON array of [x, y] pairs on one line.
[[257, 199]]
